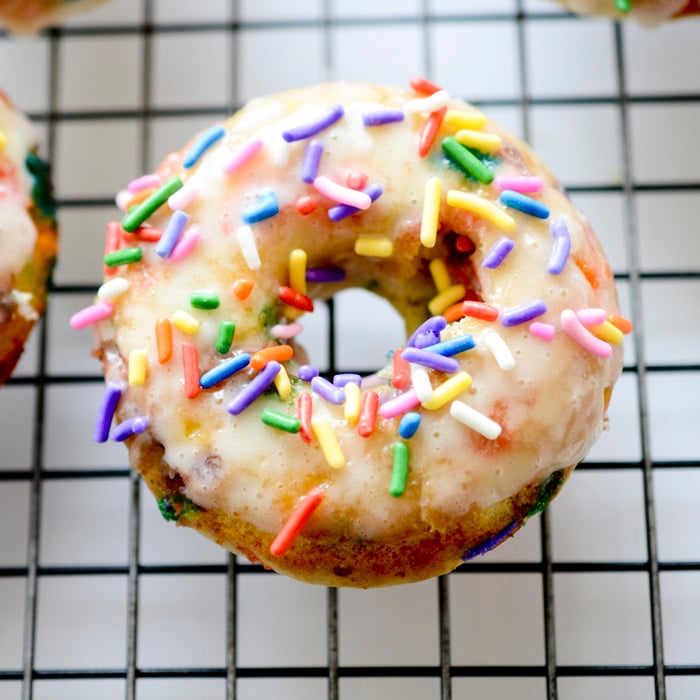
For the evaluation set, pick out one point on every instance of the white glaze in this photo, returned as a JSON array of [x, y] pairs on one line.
[[550, 404]]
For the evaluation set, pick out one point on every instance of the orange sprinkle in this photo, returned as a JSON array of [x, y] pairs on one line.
[[429, 131], [299, 517], [306, 204], [400, 371], [369, 406], [164, 340], [289, 296], [242, 288], [112, 243], [454, 312], [143, 233], [140, 196], [478, 309], [279, 353], [304, 409], [424, 86], [190, 369], [621, 323], [356, 180]]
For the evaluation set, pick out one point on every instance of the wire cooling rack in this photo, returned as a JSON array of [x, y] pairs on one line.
[[600, 598]]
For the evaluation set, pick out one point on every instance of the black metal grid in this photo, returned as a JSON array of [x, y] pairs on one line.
[[547, 568]]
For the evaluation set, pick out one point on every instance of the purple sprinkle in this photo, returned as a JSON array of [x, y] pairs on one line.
[[326, 390], [257, 386], [312, 158], [423, 340], [325, 274], [307, 372], [498, 253], [171, 234], [105, 413], [342, 379], [430, 359], [382, 116], [342, 211], [433, 325], [129, 427], [304, 131], [561, 247], [523, 313], [492, 542]]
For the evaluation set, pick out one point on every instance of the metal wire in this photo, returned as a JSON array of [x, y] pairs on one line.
[[548, 569]]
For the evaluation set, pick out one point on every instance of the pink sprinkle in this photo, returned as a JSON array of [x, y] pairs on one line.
[[186, 244], [144, 182], [183, 197], [242, 155], [356, 180], [542, 330], [286, 330], [576, 331], [123, 198], [91, 314], [524, 183], [399, 404], [343, 195], [592, 317]]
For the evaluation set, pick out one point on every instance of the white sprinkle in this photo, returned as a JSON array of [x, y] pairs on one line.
[[420, 380], [279, 152], [476, 421], [246, 240], [184, 196], [122, 199], [428, 104], [500, 351], [112, 289]]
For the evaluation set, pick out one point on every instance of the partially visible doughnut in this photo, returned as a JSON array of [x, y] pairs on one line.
[[646, 12], [27, 234], [471, 438], [28, 16]]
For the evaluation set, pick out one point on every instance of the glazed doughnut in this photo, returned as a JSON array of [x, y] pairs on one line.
[[501, 388], [646, 12], [27, 234], [28, 16]]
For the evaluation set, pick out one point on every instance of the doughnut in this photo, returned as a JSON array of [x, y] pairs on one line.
[[513, 333], [646, 12], [27, 234], [29, 16]]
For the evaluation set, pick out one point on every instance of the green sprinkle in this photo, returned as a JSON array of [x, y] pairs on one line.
[[204, 300], [623, 5], [136, 216], [123, 257], [464, 159], [225, 337], [41, 190], [547, 491], [399, 474], [281, 421], [172, 508]]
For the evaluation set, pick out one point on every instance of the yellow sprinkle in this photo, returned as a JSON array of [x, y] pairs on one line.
[[480, 140], [185, 323], [440, 275], [329, 443], [3, 140], [352, 402], [282, 384], [431, 211], [374, 247], [448, 390], [465, 120], [137, 367], [445, 299], [481, 207], [608, 332], [297, 270]]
